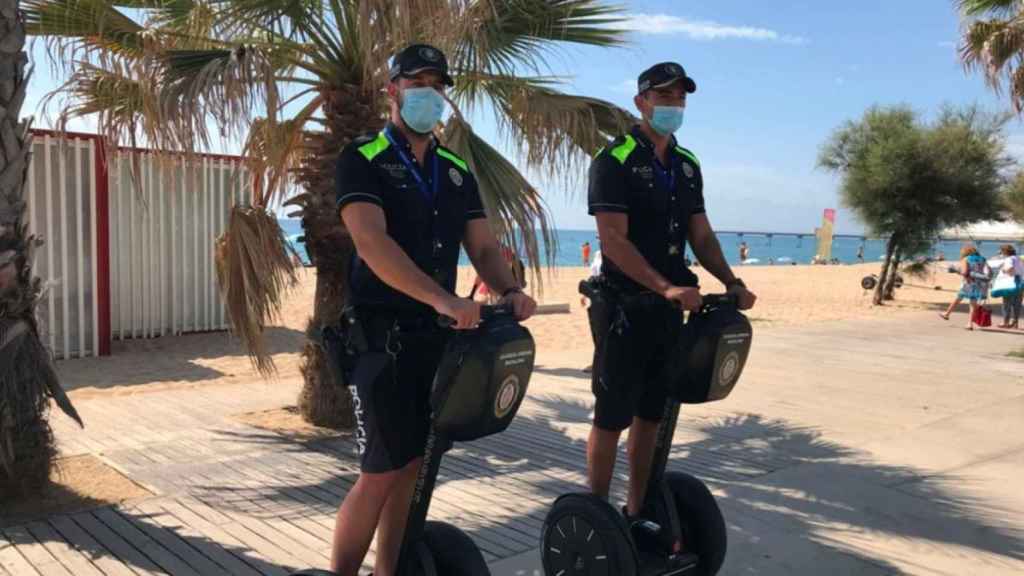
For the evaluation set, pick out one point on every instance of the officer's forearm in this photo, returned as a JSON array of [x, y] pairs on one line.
[[617, 248], [493, 268], [709, 253], [393, 266]]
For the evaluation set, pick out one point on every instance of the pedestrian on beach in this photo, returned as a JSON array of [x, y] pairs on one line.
[[585, 249], [860, 254], [744, 252], [974, 284], [1011, 272]]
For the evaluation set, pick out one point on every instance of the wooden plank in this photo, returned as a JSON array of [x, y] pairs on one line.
[[280, 534], [130, 531], [127, 553], [59, 549], [203, 543], [12, 561], [81, 541], [172, 541], [255, 539], [253, 559], [34, 552]]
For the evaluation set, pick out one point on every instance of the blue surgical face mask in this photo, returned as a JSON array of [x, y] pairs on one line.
[[421, 109], [667, 119]]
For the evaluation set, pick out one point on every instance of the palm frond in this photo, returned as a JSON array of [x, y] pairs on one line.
[[276, 150], [503, 37], [254, 270], [554, 130], [994, 7], [76, 28], [514, 206]]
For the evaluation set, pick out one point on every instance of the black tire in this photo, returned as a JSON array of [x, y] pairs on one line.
[[898, 283], [584, 536], [313, 572], [704, 531], [868, 282], [454, 552]]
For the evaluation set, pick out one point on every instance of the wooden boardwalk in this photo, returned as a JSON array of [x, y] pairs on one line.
[[234, 499]]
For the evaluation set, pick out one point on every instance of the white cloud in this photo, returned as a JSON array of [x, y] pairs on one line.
[[705, 29]]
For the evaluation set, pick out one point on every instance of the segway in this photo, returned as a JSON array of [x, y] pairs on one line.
[[680, 529], [479, 386]]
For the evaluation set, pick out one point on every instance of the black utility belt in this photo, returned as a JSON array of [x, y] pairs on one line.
[[367, 329]]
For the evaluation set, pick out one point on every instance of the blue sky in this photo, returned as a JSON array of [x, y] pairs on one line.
[[774, 79]]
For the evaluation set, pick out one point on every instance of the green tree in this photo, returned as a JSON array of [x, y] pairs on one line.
[[907, 180], [1014, 197], [176, 72], [27, 378]]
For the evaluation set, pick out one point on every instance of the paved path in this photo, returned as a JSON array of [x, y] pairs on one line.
[[881, 447]]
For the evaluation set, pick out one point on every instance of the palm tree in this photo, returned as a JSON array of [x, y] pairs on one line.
[[993, 41], [27, 378], [298, 80]]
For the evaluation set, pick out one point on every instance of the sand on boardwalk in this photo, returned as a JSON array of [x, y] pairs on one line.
[[77, 483], [787, 295]]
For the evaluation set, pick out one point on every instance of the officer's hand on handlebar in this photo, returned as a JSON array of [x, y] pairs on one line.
[[522, 305], [687, 297], [466, 313], [745, 299]]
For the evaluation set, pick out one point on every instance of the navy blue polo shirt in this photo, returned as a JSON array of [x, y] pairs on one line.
[[627, 177], [426, 208]]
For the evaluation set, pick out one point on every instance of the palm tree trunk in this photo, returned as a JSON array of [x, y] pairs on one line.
[[883, 276], [27, 378], [349, 112], [894, 270]]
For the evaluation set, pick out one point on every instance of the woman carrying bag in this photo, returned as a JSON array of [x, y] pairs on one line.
[[974, 288], [1007, 285]]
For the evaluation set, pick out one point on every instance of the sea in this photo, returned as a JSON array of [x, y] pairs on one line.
[[764, 250]]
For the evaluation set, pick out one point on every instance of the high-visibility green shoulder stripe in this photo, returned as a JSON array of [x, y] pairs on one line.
[[688, 154], [453, 158], [622, 151], [371, 149]]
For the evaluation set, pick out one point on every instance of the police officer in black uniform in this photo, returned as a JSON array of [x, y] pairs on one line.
[[409, 203], [646, 192]]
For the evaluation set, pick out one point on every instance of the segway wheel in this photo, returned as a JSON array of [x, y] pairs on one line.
[[898, 282], [703, 526], [313, 572], [584, 536], [867, 282], [453, 551]]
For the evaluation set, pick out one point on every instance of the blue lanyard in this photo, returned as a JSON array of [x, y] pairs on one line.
[[429, 195], [666, 176]]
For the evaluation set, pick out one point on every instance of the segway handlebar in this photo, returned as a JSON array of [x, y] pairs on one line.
[[487, 312], [719, 300]]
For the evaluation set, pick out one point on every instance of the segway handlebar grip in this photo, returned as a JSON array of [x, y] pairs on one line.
[[487, 312], [726, 299]]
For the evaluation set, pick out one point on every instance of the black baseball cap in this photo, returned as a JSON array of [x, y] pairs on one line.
[[417, 58], [664, 74]]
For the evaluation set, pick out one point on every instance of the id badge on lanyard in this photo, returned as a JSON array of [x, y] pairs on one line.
[[430, 195], [668, 179]]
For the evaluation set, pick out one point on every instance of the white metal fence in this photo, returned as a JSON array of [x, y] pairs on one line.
[[127, 257], [62, 210], [162, 237]]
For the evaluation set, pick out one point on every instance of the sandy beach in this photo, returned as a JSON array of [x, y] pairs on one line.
[[788, 295]]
